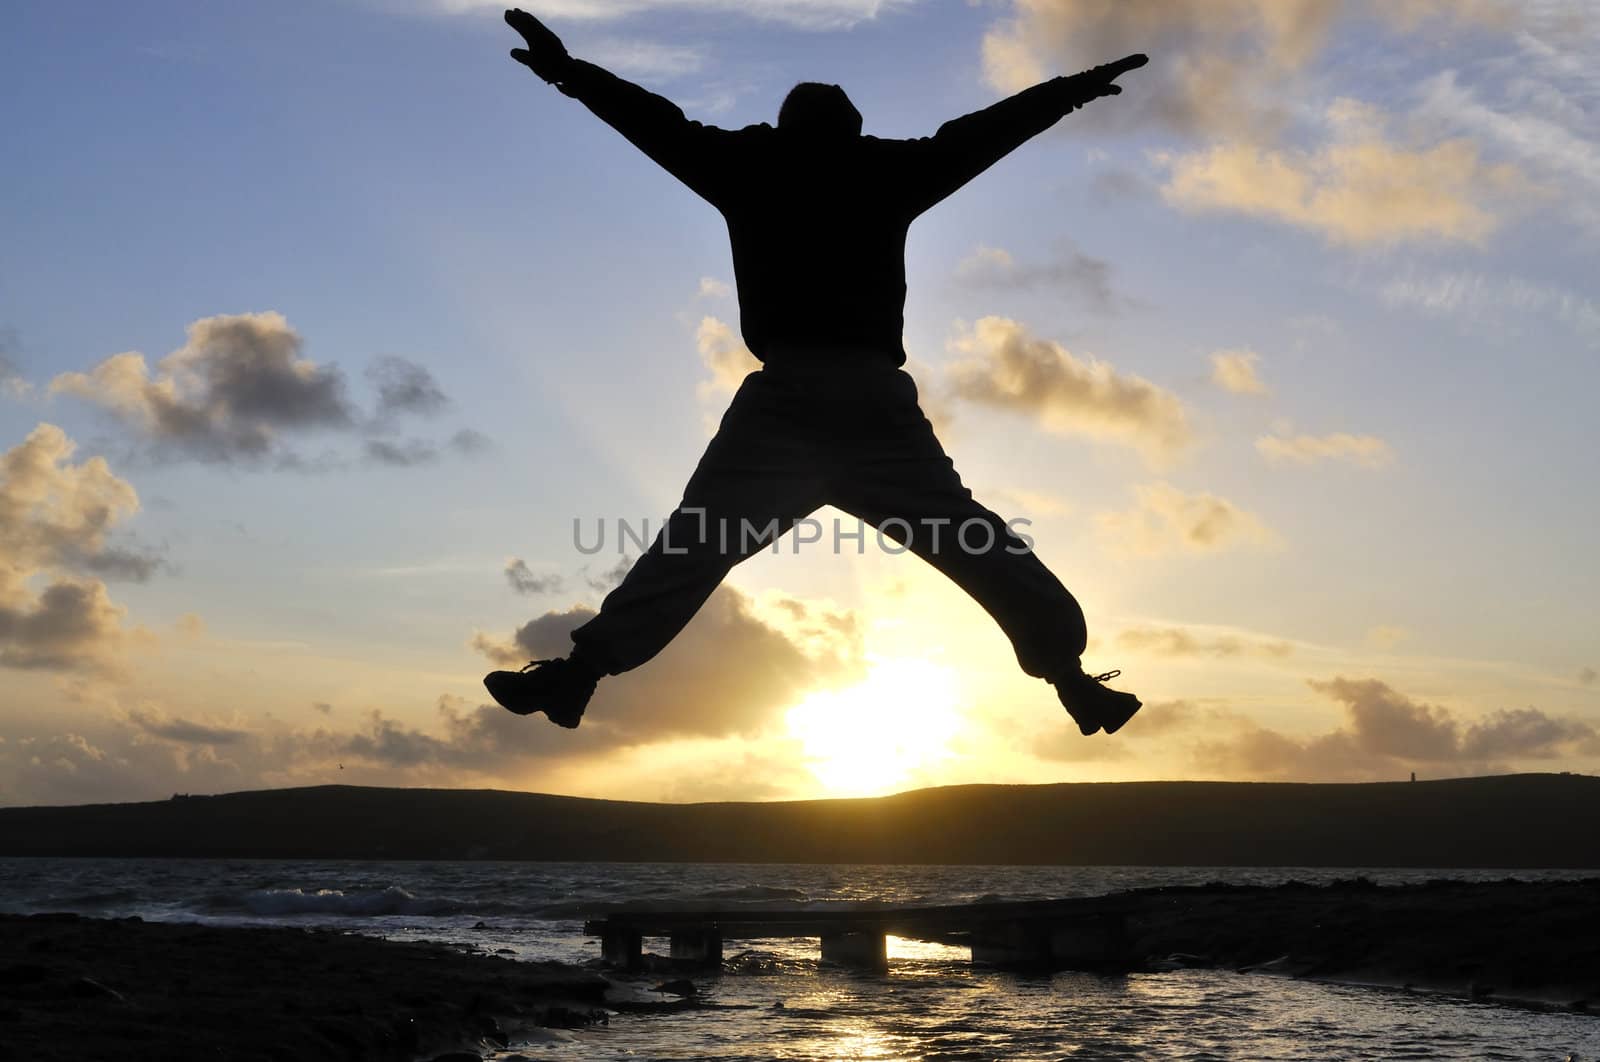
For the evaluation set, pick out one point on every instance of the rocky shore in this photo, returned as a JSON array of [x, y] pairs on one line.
[[1515, 941], [84, 988]]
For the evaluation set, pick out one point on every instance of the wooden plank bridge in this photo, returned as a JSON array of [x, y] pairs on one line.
[[1082, 933]]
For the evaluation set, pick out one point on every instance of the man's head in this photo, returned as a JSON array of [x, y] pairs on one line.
[[820, 111]]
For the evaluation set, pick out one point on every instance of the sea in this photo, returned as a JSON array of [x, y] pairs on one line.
[[774, 1000]]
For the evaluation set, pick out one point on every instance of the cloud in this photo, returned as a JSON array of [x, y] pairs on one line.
[[1065, 745], [1179, 642], [1544, 117], [643, 59], [725, 355], [147, 753], [409, 453], [1387, 733], [56, 519], [1071, 273], [1366, 450], [404, 387], [224, 395], [1007, 368], [1221, 69], [1235, 371], [71, 625], [1359, 189], [524, 581], [1167, 519], [55, 514], [1588, 676], [239, 387], [12, 385], [802, 14], [731, 671], [186, 731], [712, 288], [1475, 300], [607, 580]]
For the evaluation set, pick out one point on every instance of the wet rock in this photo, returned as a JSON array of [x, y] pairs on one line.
[[680, 987]]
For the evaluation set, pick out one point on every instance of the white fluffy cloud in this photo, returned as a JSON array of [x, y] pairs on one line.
[[1005, 367]]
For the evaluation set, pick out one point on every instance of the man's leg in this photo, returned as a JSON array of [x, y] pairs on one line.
[[756, 479], [897, 477]]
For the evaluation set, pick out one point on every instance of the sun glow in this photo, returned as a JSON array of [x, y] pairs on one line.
[[871, 738]]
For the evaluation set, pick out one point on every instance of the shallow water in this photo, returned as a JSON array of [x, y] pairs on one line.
[[932, 1005]]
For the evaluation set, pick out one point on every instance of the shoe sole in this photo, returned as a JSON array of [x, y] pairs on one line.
[[1113, 727]]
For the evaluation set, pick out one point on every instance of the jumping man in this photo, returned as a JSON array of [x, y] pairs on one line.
[[817, 215]]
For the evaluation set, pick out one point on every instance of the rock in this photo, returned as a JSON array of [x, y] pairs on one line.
[[458, 1056], [681, 987]]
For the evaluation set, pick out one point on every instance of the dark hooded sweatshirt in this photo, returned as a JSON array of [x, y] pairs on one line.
[[818, 227]]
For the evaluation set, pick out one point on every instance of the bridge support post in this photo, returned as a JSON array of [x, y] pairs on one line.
[[622, 947], [860, 951], [702, 944], [1094, 943], [1011, 944], [1098, 942]]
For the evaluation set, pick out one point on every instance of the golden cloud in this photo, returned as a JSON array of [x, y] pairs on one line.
[[1360, 189], [1366, 450], [1166, 519], [1007, 368]]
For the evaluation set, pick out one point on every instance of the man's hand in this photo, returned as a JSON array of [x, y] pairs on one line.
[[1101, 80], [545, 54]]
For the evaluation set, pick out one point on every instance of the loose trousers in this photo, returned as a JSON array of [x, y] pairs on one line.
[[854, 437]]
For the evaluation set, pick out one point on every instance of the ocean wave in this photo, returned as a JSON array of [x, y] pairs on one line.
[[755, 892], [355, 903]]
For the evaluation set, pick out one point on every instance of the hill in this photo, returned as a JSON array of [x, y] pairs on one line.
[[1510, 821]]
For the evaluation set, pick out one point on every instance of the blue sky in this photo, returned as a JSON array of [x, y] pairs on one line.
[[1344, 249]]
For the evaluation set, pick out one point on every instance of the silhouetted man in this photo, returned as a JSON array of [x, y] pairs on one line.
[[817, 215]]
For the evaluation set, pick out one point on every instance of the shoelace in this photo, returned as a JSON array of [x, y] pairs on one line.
[[536, 663], [1107, 677]]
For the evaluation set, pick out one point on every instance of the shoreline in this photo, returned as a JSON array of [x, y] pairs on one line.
[[73, 986]]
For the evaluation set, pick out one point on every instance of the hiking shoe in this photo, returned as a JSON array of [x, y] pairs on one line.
[[1094, 706], [559, 688]]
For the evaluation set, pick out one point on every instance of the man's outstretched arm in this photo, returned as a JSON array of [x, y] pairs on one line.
[[652, 123], [964, 147]]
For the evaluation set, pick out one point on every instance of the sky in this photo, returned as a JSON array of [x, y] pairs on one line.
[[331, 339]]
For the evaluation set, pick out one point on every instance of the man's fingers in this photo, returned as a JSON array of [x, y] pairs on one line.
[[522, 57]]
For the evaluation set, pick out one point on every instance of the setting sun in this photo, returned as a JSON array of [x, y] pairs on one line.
[[868, 739]]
